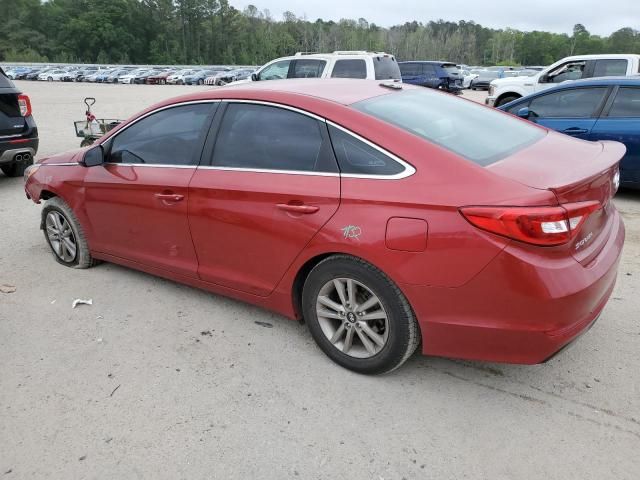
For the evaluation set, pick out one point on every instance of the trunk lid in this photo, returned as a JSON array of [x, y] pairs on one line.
[[582, 172]]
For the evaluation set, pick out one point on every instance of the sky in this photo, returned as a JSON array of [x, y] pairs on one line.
[[598, 16]]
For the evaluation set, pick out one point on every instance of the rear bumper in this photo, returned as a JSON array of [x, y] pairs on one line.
[[15, 146], [517, 310]]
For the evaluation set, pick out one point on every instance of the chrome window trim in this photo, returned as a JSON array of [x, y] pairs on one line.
[[152, 165], [408, 168], [277, 105], [267, 170], [65, 164]]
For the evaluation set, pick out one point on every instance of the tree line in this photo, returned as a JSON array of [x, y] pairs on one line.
[[214, 32]]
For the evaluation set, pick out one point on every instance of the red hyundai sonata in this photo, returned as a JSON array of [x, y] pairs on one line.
[[383, 215]]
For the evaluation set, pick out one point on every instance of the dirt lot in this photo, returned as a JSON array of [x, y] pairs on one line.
[[157, 380]]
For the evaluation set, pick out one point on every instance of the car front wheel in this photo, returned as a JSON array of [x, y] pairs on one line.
[[505, 100], [65, 236], [358, 316]]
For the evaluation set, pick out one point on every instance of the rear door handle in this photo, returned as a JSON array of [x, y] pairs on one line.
[[287, 207], [169, 197], [575, 130]]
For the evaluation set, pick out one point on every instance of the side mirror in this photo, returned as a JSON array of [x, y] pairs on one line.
[[93, 157], [524, 112], [255, 77], [544, 79]]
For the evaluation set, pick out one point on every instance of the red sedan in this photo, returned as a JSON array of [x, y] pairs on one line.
[[384, 215]]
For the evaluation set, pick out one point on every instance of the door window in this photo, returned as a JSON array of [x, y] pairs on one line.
[[276, 71], [626, 103], [271, 138], [568, 71], [410, 69], [356, 157], [168, 137], [355, 68], [610, 68], [308, 68], [428, 69], [574, 103]]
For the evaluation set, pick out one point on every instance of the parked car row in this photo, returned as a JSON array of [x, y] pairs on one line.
[[129, 75]]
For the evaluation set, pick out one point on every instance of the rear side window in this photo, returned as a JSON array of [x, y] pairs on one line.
[[355, 68], [574, 103], [386, 68], [410, 69], [472, 131], [271, 138], [626, 103], [169, 137], [308, 68], [357, 157], [610, 68]]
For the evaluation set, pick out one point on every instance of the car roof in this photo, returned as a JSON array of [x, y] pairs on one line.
[[344, 91]]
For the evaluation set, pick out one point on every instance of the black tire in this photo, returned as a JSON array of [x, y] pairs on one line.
[[16, 169], [403, 336], [200, 82], [505, 100], [50, 79], [86, 142], [83, 258]]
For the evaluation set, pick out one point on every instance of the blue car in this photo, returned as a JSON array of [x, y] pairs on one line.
[[605, 108], [440, 75]]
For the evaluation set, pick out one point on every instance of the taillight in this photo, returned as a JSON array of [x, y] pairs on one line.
[[546, 226], [25, 105]]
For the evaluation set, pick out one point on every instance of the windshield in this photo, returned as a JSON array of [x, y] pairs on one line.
[[470, 130]]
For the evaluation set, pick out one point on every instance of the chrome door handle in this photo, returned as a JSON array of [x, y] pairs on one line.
[[170, 197], [287, 207], [575, 130]]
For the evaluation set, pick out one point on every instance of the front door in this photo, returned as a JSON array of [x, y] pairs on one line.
[[572, 112], [137, 201], [271, 184]]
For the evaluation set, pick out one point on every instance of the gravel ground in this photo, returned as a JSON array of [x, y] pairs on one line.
[[158, 380]]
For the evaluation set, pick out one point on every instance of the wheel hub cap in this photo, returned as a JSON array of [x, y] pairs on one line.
[[61, 238], [352, 317]]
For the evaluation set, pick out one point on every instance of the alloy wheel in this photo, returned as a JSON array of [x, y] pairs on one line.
[[352, 317], [61, 237]]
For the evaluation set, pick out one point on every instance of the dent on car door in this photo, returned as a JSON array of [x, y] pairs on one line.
[[571, 111], [271, 184], [137, 201], [621, 122]]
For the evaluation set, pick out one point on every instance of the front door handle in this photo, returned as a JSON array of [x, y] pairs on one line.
[[293, 208], [575, 130], [169, 197]]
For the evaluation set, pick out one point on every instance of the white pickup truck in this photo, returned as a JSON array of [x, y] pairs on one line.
[[504, 90]]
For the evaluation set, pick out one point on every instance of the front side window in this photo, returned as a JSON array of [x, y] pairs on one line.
[[308, 68], [276, 71], [610, 68], [168, 137], [271, 138], [410, 69], [472, 131], [355, 68], [626, 103], [574, 103], [356, 157], [568, 71]]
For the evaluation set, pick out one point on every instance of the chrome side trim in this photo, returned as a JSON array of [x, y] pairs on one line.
[[408, 168], [66, 164], [266, 170], [150, 165]]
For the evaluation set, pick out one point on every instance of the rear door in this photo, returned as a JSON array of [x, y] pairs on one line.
[[571, 111], [270, 184], [137, 201], [620, 121]]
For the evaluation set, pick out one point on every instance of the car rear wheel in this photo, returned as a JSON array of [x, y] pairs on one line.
[[65, 236], [358, 316], [505, 100], [50, 79]]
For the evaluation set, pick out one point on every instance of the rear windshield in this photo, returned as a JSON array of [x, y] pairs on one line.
[[386, 68], [450, 68], [477, 133]]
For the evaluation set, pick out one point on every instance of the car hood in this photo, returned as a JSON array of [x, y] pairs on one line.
[[511, 81], [71, 156]]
